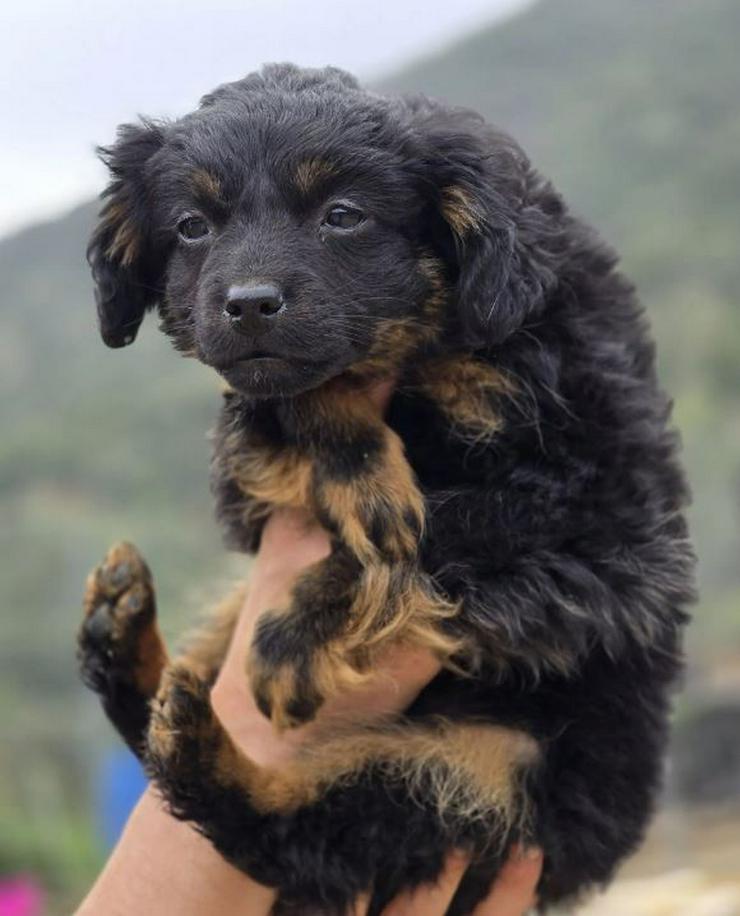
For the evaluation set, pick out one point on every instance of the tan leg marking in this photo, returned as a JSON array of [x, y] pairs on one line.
[[472, 768]]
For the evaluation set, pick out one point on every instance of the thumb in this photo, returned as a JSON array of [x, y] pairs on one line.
[[380, 393]]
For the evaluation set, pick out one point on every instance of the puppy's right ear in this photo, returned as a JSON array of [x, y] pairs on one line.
[[125, 267]]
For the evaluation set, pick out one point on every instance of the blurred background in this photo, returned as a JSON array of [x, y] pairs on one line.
[[632, 107]]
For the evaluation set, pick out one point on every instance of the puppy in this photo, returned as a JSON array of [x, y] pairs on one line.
[[518, 511]]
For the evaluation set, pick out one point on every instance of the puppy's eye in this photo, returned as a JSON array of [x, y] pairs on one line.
[[193, 228], [344, 217]]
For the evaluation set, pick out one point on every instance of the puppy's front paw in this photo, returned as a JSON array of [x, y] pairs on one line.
[[119, 638], [280, 670], [291, 675]]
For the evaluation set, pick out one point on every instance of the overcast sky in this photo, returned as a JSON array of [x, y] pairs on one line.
[[71, 70]]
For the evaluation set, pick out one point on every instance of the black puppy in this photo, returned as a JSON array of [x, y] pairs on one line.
[[519, 511]]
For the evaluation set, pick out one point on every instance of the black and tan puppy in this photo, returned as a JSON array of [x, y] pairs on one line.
[[519, 512]]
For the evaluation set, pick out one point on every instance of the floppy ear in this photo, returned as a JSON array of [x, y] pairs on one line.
[[504, 221], [125, 267]]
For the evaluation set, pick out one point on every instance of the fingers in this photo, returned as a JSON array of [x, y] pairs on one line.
[[513, 892], [361, 906], [431, 899]]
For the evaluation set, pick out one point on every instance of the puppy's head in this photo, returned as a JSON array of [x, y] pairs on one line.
[[296, 227]]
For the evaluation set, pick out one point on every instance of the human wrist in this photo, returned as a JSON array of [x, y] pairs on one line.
[[162, 865]]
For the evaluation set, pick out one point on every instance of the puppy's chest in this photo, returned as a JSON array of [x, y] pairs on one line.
[[439, 427]]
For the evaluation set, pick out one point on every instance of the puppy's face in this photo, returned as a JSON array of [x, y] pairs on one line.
[[293, 247], [291, 229]]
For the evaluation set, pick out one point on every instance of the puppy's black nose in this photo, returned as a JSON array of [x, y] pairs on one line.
[[251, 309]]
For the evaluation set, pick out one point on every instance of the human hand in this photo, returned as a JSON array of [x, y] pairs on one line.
[[512, 893]]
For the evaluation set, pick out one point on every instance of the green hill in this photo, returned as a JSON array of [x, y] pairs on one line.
[[630, 107]]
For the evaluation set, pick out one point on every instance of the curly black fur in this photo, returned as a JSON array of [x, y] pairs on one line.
[[560, 529]]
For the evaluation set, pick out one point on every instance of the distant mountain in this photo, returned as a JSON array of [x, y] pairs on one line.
[[630, 106]]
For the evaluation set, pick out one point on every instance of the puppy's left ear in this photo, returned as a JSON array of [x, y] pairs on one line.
[[125, 266], [502, 221]]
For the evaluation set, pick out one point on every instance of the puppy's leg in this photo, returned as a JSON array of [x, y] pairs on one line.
[[120, 649], [369, 592], [422, 788]]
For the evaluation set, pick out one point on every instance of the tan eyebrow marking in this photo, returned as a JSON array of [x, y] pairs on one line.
[[208, 185], [310, 173], [460, 211]]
